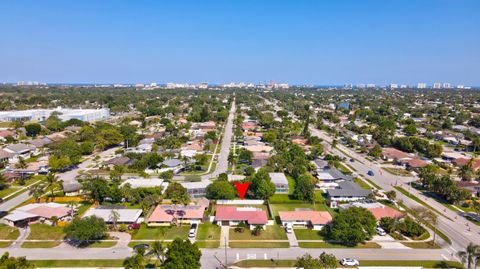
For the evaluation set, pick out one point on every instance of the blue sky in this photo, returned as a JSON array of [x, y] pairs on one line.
[[298, 42]]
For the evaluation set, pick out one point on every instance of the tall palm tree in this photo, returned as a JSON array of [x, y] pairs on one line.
[[37, 191], [72, 205], [471, 255], [114, 217], [52, 183], [137, 261], [158, 250]]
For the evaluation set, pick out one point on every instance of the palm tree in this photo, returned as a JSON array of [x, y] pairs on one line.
[[158, 251], [52, 183], [37, 191], [137, 261], [54, 220], [181, 213], [114, 217], [21, 164], [471, 255]]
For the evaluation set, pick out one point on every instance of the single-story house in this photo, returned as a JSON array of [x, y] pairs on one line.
[[470, 186], [329, 178], [6, 156], [119, 160], [232, 215], [171, 164], [280, 181], [385, 211], [42, 212], [393, 154], [258, 163], [231, 177], [347, 191], [305, 218], [140, 182], [72, 188], [164, 215], [126, 216], [259, 148], [321, 164], [40, 142], [20, 150], [464, 161], [196, 189]]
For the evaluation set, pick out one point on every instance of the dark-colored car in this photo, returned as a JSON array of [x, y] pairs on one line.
[[370, 173]]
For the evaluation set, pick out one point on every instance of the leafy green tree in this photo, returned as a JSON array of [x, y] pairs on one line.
[[182, 254], [96, 188], [33, 129], [304, 188], [352, 226], [86, 148], [328, 261], [57, 163], [257, 230], [87, 229], [220, 189], [376, 151], [53, 122], [261, 186], [245, 156], [308, 262], [410, 129], [177, 193], [8, 262]]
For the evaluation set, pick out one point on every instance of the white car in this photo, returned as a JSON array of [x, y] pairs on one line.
[[380, 231], [349, 262], [193, 231], [289, 228]]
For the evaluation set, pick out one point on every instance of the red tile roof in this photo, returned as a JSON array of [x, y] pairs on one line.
[[252, 216], [382, 212], [392, 153], [315, 217]]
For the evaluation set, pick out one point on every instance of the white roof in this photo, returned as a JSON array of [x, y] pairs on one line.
[[196, 185], [235, 177], [126, 215], [278, 178], [35, 205], [19, 215], [146, 183]]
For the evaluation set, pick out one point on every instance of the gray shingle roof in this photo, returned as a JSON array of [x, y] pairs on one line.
[[348, 188]]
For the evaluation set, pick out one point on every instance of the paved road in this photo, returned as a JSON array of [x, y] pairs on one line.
[[66, 177], [222, 160], [453, 226], [208, 255]]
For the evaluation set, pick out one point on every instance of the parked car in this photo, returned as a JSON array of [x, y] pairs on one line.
[[289, 228], [193, 231], [349, 262], [134, 226], [380, 231], [352, 160], [370, 173]]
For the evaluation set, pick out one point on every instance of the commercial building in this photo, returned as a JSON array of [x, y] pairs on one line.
[[64, 114]]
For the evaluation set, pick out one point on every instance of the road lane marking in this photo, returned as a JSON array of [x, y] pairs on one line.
[[443, 256], [251, 256], [238, 256], [265, 256]]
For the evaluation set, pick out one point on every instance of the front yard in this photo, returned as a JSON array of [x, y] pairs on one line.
[[44, 232], [308, 234], [273, 232], [8, 233], [161, 233]]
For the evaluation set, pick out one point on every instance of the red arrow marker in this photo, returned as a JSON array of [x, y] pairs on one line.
[[241, 188]]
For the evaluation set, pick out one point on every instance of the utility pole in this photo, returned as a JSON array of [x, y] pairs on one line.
[[226, 262]]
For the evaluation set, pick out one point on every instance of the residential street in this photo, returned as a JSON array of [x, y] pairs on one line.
[[455, 227]]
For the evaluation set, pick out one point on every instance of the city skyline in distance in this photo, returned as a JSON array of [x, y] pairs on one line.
[[301, 43]]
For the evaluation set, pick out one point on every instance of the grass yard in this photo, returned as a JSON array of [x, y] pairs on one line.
[[8, 191], [208, 231], [418, 200], [208, 244], [273, 232], [291, 207], [259, 245], [5, 244], [291, 263], [421, 245], [78, 263], [397, 171], [307, 234], [8, 233], [362, 183], [102, 244], [82, 208], [44, 232], [372, 183], [334, 245], [161, 233]]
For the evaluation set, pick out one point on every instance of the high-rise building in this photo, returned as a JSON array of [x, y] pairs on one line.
[[422, 85], [393, 86], [460, 86], [447, 85], [437, 85]]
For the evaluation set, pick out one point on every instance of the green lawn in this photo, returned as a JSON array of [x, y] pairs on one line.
[[372, 183], [397, 171], [307, 234], [208, 231], [273, 232], [422, 245], [7, 191], [418, 200], [291, 263], [161, 233], [259, 244], [8, 233], [362, 183], [208, 244], [78, 263], [5, 244], [334, 245], [82, 208], [102, 244], [291, 207], [44, 232]]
